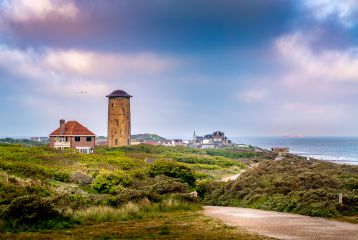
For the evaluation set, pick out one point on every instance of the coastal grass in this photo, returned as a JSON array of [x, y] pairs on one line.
[[131, 210], [167, 225], [118, 193]]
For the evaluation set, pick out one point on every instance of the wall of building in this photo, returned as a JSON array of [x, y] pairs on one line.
[[119, 122], [82, 142], [74, 144]]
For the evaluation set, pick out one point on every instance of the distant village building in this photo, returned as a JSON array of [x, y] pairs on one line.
[[177, 142], [215, 140], [73, 135], [136, 142], [280, 150], [167, 143], [119, 119]]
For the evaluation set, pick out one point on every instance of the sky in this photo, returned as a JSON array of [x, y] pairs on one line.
[[248, 68]]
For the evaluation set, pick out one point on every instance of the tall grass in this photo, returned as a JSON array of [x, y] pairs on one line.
[[105, 213], [131, 210]]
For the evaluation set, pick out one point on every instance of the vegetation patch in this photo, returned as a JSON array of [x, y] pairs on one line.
[[291, 185]]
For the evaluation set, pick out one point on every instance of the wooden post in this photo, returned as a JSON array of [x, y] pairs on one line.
[[340, 198]]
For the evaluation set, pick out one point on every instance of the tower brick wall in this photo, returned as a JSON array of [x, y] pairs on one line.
[[119, 120]]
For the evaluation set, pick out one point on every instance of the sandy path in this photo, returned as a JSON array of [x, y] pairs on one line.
[[283, 225], [230, 178], [233, 177]]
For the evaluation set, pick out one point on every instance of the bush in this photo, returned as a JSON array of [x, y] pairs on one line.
[[165, 185], [80, 178], [106, 181], [291, 185], [172, 169], [318, 202], [29, 212]]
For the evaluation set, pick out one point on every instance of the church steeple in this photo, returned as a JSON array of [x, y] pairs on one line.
[[194, 136]]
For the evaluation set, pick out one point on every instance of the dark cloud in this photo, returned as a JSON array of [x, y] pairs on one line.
[[161, 25]]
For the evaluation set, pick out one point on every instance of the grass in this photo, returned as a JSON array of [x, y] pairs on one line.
[[115, 194], [130, 210], [167, 225]]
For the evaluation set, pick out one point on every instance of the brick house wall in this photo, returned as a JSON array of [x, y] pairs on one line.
[[74, 144], [82, 142]]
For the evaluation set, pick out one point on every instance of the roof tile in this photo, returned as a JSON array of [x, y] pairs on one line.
[[73, 128]]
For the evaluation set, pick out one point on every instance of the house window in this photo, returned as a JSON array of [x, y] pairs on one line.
[[77, 139], [116, 141], [66, 139], [88, 139]]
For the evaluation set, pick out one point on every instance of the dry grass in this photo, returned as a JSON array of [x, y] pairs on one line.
[[169, 225], [105, 213]]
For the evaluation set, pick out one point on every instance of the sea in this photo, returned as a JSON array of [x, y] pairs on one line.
[[342, 150]]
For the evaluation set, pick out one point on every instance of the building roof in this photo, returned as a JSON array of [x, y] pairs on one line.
[[73, 128], [119, 93]]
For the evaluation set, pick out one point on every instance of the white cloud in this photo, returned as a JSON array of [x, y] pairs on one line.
[[38, 10], [345, 11], [84, 63], [71, 71], [325, 65], [48, 84], [252, 96]]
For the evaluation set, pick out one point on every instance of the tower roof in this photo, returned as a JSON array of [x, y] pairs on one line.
[[119, 93]]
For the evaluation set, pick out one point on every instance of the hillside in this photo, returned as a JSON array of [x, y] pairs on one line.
[[146, 137], [291, 185], [41, 188]]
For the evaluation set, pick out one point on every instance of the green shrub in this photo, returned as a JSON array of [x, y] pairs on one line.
[[291, 185], [30, 212], [106, 181], [165, 185], [202, 188], [318, 202], [172, 169]]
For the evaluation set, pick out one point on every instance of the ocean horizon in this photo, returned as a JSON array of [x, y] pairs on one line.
[[342, 150]]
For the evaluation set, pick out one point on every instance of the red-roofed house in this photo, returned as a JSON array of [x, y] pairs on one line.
[[72, 134]]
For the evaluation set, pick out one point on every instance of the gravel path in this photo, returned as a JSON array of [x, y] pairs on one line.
[[283, 225], [231, 178]]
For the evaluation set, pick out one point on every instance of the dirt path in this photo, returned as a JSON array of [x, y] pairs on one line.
[[230, 178], [233, 177], [283, 225]]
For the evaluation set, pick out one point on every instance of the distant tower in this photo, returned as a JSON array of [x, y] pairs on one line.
[[119, 119]]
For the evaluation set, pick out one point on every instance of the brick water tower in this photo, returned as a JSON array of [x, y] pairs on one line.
[[119, 119]]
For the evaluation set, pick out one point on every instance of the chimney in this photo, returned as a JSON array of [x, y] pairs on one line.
[[62, 127]]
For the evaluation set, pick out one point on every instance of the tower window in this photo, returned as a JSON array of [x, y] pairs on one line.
[[117, 122], [116, 141]]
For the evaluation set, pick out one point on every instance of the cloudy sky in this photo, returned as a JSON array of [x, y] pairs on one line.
[[247, 67]]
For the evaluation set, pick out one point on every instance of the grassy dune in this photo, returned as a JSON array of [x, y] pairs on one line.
[[144, 191], [291, 185], [42, 189]]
